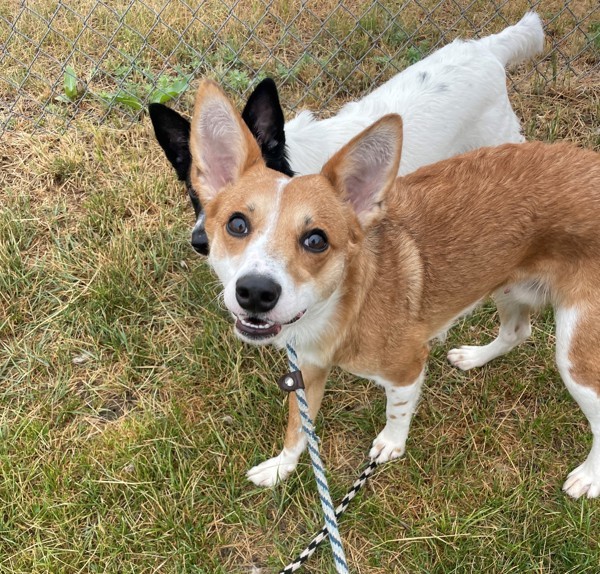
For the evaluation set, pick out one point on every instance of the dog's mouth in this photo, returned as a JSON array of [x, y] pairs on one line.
[[259, 329]]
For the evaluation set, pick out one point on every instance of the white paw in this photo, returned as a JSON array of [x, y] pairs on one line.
[[583, 480], [272, 471], [468, 357], [385, 448]]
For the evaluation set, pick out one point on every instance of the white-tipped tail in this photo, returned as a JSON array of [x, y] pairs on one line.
[[517, 43]]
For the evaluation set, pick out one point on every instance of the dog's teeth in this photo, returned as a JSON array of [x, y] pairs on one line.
[[262, 325]]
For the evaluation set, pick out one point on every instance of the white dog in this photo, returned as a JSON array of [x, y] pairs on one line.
[[453, 101]]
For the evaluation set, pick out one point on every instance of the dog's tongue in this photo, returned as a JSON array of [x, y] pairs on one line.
[[254, 327]]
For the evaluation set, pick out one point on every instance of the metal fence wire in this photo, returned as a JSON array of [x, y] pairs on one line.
[[105, 60]]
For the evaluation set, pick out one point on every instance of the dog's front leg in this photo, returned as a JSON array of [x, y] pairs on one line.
[[278, 468], [401, 401]]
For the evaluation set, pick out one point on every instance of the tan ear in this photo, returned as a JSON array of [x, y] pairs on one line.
[[366, 167], [221, 145]]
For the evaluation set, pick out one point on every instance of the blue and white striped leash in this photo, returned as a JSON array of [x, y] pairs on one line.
[[339, 557], [324, 532]]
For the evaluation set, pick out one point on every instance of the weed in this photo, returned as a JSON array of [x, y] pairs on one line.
[[415, 53], [238, 80], [594, 29], [70, 83], [169, 88]]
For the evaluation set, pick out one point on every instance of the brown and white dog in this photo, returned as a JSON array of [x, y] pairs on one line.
[[363, 270]]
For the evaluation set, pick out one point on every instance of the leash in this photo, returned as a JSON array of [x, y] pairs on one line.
[[323, 533], [293, 382]]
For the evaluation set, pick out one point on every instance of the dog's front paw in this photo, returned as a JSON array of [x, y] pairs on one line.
[[386, 448], [583, 480], [272, 471], [468, 357]]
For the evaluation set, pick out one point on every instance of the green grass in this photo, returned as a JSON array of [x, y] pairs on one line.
[[130, 414]]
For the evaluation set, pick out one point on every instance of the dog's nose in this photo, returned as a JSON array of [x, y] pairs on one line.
[[200, 241], [257, 293]]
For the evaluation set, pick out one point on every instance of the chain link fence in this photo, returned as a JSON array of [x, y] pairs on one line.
[[106, 60]]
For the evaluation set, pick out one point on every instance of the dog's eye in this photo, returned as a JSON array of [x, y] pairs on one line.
[[315, 241], [237, 225]]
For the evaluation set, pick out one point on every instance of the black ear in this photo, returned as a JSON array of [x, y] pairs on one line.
[[172, 131], [264, 116]]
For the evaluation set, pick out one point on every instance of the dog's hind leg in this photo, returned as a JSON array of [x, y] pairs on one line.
[[278, 468], [577, 344], [514, 329]]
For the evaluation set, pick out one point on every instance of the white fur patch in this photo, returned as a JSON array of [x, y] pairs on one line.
[[401, 402], [585, 479], [306, 333], [255, 259], [278, 468]]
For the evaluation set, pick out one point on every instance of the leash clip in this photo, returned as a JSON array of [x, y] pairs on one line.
[[291, 381]]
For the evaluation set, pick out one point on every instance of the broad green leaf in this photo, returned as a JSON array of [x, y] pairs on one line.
[[70, 83], [129, 100], [167, 89]]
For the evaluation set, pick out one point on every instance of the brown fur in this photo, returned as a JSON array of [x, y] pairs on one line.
[[427, 248], [475, 223], [455, 232]]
